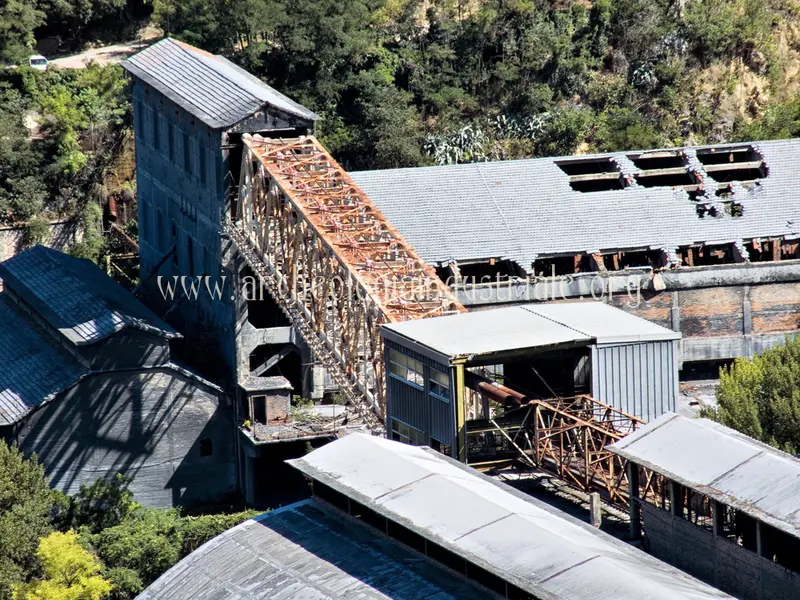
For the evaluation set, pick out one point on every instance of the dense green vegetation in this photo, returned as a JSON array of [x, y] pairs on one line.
[[407, 82], [761, 397], [124, 543]]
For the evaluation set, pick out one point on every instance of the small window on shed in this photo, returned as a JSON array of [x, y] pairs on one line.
[[593, 174], [401, 432], [406, 368], [440, 385]]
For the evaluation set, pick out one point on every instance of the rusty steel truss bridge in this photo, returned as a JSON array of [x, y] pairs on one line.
[[339, 270]]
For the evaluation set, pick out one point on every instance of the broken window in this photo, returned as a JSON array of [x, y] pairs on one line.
[[556, 266], [618, 261], [696, 256], [667, 168], [593, 174], [733, 163]]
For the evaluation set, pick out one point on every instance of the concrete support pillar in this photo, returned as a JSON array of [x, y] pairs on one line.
[[635, 508], [675, 313], [595, 510]]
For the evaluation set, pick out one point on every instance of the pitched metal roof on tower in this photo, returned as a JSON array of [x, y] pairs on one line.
[[75, 297], [523, 541], [722, 464], [525, 209], [208, 86]]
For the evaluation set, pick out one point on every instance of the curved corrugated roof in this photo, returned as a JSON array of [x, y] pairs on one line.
[[519, 539]]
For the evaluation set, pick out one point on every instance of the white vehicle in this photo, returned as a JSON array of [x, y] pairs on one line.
[[37, 61]]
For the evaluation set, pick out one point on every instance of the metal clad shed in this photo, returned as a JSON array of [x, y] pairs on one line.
[[722, 464], [518, 539], [633, 362]]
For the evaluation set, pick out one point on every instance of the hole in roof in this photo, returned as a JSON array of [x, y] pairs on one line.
[[648, 161], [733, 163], [657, 179], [593, 174]]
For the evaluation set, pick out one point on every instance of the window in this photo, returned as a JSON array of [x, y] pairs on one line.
[[144, 221], [162, 232], [174, 244], [259, 409], [156, 131], [187, 154], [407, 434], [206, 448], [171, 141], [440, 385], [202, 160], [190, 254], [140, 121], [406, 368]]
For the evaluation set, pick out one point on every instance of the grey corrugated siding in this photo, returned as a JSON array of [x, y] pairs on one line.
[[417, 407], [638, 379]]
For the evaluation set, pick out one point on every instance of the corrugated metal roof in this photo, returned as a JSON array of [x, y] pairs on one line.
[[515, 537], [76, 297], [33, 367], [531, 326], [306, 552], [720, 463], [209, 87], [524, 209]]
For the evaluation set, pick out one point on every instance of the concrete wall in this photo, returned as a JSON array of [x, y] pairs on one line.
[[62, 236], [715, 559], [148, 424]]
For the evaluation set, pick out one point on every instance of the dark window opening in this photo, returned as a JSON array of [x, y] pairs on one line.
[[618, 261], [714, 255], [174, 232], [446, 557], [666, 179], [598, 185], [259, 404], [206, 448], [330, 495], [762, 251], [445, 449], [369, 516], [780, 547], [171, 141], [190, 254], [156, 132], [202, 163], [406, 536], [140, 121], [563, 265], [658, 160], [262, 311], [745, 531], [187, 154], [490, 271], [486, 579]]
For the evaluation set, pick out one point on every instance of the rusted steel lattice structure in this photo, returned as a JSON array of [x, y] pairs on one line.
[[332, 261], [564, 436]]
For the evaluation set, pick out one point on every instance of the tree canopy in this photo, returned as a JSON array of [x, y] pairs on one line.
[[761, 396]]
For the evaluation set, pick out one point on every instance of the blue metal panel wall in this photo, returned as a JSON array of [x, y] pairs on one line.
[[639, 379], [416, 407]]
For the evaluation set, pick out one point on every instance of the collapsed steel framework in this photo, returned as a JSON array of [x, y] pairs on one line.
[[564, 436], [333, 262], [339, 269]]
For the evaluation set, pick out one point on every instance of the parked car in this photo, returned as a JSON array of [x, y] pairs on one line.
[[37, 61]]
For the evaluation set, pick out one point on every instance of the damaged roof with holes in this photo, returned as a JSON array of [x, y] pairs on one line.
[[722, 464], [514, 537], [210, 87], [526, 209], [307, 551], [75, 297]]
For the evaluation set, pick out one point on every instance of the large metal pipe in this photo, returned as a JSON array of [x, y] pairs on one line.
[[495, 391]]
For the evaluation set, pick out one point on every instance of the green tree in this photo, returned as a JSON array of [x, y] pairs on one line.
[[26, 502], [761, 396], [70, 572], [18, 20]]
